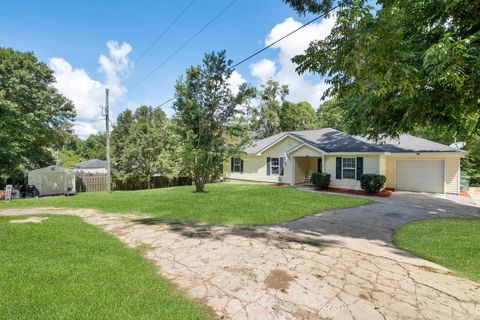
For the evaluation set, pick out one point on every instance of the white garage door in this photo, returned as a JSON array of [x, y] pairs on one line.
[[420, 175]]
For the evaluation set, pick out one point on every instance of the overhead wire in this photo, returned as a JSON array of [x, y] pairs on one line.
[[164, 32], [274, 43], [182, 46]]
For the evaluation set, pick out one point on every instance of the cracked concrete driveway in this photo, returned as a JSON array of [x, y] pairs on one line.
[[333, 265]]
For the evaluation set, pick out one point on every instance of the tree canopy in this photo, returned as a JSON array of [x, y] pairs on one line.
[[34, 115], [401, 64], [142, 144]]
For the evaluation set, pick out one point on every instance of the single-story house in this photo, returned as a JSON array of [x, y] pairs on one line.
[[93, 166], [409, 163]]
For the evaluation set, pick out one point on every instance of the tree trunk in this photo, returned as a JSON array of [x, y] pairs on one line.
[[199, 184]]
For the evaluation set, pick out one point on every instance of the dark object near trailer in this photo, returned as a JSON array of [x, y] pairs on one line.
[[30, 191]]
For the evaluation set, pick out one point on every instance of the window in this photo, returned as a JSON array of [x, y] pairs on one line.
[[349, 168], [275, 165], [237, 165]]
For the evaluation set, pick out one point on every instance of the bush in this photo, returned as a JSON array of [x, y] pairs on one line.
[[372, 183], [321, 180]]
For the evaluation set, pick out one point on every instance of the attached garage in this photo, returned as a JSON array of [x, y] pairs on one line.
[[421, 175]]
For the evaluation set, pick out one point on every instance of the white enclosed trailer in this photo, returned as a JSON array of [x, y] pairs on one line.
[[52, 180]]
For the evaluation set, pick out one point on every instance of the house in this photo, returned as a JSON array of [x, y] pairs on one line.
[[409, 163], [93, 166]]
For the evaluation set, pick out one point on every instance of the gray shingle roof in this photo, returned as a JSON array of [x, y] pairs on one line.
[[91, 164], [331, 140], [408, 143]]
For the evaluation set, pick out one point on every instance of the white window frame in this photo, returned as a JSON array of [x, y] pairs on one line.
[[277, 166], [237, 162], [350, 168]]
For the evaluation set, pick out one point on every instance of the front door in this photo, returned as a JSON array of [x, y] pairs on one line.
[[319, 165]]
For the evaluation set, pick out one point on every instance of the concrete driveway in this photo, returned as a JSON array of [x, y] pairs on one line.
[[333, 265]]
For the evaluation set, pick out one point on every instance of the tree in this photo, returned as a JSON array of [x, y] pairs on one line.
[[141, 144], [400, 65], [34, 115], [330, 114], [94, 147], [297, 116], [70, 153], [207, 117], [266, 116]]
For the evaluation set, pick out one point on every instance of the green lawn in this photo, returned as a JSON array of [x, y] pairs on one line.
[[224, 203], [64, 268], [454, 243]]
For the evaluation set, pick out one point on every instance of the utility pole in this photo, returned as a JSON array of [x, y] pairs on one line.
[[107, 136]]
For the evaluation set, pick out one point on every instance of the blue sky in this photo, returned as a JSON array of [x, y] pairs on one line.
[[76, 34]]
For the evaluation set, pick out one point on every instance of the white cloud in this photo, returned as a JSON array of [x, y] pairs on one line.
[[302, 87], [264, 69], [88, 94], [235, 81]]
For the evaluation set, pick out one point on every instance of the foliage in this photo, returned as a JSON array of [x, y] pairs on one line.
[[94, 147], [141, 145], [70, 153], [208, 117], [274, 114], [297, 116], [265, 117], [225, 203], [64, 268], [321, 180], [331, 114], [34, 115], [454, 243], [372, 183], [400, 65]]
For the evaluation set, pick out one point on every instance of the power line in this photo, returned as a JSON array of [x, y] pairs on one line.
[[164, 31], [275, 42], [285, 36], [182, 46]]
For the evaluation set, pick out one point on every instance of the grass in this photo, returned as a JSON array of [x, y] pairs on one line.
[[454, 243], [224, 203], [64, 268]]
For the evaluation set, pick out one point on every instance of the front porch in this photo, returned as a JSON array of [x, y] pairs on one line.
[[303, 167]]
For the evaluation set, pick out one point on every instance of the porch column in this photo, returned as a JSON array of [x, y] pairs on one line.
[[292, 167]]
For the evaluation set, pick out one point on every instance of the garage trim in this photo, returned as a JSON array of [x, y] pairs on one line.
[[423, 159]]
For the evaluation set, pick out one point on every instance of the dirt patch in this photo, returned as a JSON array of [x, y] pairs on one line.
[[278, 279], [29, 220]]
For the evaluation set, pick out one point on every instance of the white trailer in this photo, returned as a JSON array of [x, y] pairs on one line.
[[52, 180]]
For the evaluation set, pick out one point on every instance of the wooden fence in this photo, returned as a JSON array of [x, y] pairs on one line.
[[98, 182], [155, 182], [91, 182]]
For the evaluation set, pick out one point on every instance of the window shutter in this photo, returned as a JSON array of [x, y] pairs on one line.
[[319, 165], [359, 167], [338, 171], [231, 164], [281, 166], [268, 166], [241, 166]]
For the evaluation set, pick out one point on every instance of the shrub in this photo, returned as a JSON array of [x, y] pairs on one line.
[[372, 183], [321, 180]]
